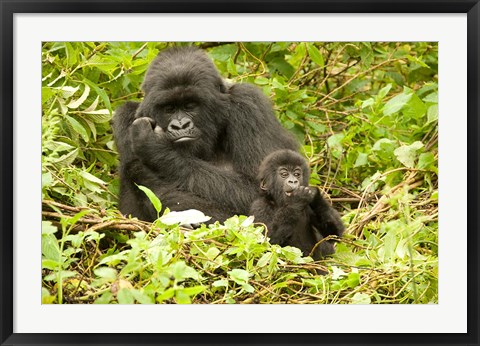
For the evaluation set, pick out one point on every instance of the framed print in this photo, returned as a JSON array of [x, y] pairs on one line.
[[246, 172]]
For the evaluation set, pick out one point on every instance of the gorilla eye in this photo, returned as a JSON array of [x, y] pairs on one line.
[[284, 173], [169, 109], [190, 106]]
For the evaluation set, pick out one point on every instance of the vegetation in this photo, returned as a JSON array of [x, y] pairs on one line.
[[367, 115]]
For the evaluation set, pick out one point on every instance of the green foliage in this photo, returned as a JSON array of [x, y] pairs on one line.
[[367, 116]]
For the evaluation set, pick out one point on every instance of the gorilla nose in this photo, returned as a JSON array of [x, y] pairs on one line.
[[293, 184], [182, 124]]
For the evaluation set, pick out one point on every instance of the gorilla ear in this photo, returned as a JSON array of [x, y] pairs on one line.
[[263, 185]]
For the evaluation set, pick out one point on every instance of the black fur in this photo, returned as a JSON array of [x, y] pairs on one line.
[[194, 140], [294, 213]]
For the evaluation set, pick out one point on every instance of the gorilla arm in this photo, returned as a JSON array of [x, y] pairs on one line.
[[324, 218], [287, 223], [192, 175]]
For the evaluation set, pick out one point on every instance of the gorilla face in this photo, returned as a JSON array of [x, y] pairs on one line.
[[289, 178], [176, 118], [185, 114], [282, 173]]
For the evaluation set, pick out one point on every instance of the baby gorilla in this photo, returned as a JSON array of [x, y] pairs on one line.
[[295, 214]]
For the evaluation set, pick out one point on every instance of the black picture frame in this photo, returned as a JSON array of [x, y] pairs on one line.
[[10, 7]]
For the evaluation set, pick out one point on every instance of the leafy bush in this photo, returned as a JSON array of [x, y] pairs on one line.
[[367, 115]]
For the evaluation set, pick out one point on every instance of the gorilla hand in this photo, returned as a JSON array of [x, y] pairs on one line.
[[144, 132], [301, 197]]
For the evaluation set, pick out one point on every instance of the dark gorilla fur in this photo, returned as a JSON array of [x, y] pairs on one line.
[[294, 213], [195, 141]]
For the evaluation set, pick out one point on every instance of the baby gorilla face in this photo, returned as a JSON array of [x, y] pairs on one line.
[[289, 178]]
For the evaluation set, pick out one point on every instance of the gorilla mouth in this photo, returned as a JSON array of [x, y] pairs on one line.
[[288, 193], [184, 139]]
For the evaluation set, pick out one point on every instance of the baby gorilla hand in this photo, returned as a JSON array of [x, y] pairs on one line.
[[302, 196]]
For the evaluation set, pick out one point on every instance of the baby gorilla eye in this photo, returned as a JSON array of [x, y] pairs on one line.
[[283, 173]]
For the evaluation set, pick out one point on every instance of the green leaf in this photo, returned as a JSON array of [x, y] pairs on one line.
[[50, 248], [106, 273], [77, 127], [263, 261], [432, 114], [103, 95], [77, 103], [48, 228], [47, 94], [407, 154], [46, 297], [353, 280], [67, 91], [368, 102], [262, 81], [142, 297], [362, 160], [62, 274], [168, 294], [66, 159], [397, 103], [318, 128], [292, 254], [92, 178], [432, 98], [181, 271], [232, 68], [114, 259], [73, 220], [315, 55], [71, 54], [389, 244], [240, 276], [98, 116], [152, 197], [426, 161], [248, 288], [361, 298], [212, 253], [335, 144], [383, 92], [192, 291], [415, 108], [182, 298], [279, 64], [105, 298], [125, 296], [220, 283], [50, 264]]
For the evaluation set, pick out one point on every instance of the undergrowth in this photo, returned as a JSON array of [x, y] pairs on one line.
[[367, 114]]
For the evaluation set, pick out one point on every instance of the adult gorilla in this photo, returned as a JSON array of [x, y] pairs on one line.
[[195, 141]]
